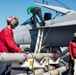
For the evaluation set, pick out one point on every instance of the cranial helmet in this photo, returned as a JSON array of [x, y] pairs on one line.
[[13, 20]]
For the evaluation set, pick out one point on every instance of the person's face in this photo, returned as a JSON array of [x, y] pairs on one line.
[[74, 34], [13, 26]]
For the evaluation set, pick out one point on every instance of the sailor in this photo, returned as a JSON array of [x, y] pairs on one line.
[[8, 39], [35, 11], [72, 52]]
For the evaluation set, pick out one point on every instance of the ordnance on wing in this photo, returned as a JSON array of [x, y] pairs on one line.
[[57, 71], [60, 55], [20, 57]]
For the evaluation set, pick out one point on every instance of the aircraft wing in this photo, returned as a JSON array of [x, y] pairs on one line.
[[62, 24], [55, 8]]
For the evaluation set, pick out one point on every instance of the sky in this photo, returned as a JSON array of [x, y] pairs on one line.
[[18, 8]]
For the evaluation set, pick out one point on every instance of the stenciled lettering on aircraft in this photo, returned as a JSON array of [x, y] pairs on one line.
[[22, 39], [52, 22]]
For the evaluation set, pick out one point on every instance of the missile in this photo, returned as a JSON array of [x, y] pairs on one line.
[[49, 68], [62, 62], [40, 71], [19, 57], [60, 55], [12, 57], [57, 71]]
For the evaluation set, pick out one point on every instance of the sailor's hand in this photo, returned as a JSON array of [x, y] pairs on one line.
[[72, 58], [22, 51]]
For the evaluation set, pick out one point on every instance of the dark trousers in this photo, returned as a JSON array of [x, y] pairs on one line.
[[7, 70], [37, 11], [71, 66]]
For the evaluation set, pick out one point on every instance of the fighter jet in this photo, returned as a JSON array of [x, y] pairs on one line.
[[56, 32]]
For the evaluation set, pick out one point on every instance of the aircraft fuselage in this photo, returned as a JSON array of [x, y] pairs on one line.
[[56, 36]]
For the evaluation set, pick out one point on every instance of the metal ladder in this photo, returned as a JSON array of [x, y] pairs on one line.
[[39, 41]]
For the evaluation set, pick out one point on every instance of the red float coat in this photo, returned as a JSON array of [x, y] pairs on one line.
[[2, 45], [8, 38], [72, 49]]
